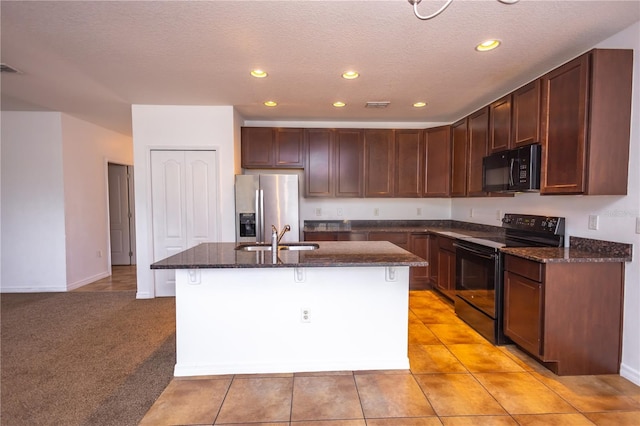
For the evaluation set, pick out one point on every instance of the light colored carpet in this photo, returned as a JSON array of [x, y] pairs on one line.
[[83, 358]]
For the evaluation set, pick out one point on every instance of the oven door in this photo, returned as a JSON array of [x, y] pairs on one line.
[[476, 270]]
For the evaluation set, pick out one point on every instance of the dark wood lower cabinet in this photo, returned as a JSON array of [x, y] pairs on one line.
[[567, 315], [446, 281], [419, 275]]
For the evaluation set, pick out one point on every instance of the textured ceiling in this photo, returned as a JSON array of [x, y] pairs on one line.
[[94, 59]]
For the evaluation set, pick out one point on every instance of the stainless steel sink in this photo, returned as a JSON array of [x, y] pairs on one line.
[[284, 246]]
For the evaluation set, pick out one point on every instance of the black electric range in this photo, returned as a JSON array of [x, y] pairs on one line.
[[479, 268]]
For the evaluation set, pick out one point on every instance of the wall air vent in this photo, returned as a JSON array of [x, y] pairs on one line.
[[9, 69], [381, 104]]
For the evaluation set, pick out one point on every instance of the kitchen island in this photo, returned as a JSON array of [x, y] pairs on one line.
[[342, 306]]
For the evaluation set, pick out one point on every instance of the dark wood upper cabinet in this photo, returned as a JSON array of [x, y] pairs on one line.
[[437, 154], [526, 112], [478, 143], [459, 157], [349, 159], [269, 147], [379, 162], [289, 152], [257, 147], [500, 124], [318, 170], [586, 116], [409, 168]]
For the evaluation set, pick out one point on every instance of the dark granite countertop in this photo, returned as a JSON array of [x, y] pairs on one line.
[[330, 254], [579, 250], [451, 228]]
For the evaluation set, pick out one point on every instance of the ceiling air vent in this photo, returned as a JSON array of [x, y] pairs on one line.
[[7, 68], [381, 104]]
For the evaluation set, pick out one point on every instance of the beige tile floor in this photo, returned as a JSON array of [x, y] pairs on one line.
[[456, 378]]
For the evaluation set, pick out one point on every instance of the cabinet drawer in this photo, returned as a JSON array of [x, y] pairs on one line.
[[446, 243], [526, 268]]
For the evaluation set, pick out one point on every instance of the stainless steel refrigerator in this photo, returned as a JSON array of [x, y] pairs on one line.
[[265, 200]]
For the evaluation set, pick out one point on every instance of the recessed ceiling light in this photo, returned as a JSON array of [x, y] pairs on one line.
[[271, 103], [339, 104], [258, 73], [420, 104], [350, 75], [487, 45]]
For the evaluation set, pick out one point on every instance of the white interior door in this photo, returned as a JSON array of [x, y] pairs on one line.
[[184, 205], [120, 217]]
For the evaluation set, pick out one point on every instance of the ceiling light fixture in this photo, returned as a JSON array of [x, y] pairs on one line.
[[420, 104], [444, 6], [259, 73], [339, 104], [270, 103], [350, 75], [485, 46]]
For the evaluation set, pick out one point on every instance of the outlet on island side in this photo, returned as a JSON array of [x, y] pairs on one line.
[[305, 315]]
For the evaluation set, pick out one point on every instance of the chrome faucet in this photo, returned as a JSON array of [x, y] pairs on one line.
[[275, 237]]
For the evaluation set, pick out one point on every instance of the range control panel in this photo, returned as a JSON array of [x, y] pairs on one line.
[[548, 224]]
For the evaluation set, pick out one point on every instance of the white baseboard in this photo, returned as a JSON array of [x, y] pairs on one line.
[[89, 280], [630, 374]]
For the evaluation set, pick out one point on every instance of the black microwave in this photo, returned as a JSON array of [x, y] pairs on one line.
[[514, 170]]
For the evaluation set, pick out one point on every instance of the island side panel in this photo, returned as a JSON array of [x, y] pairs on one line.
[[247, 321]]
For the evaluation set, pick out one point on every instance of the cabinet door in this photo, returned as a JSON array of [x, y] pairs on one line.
[[256, 147], [564, 105], [478, 142], [446, 272], [379, 163], [318, 171], [526, 115], [523, 312], [288, 148], [349, 159], [409, 167], [437, 161], [433, 260], [500, 124], [419, 275], [459, 159]]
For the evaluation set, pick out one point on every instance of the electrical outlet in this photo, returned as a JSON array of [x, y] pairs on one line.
[[637, 225], [419, 211], [339, 212], [470, 212], [376, 212], [99, 253], [498, 214], [593, 222], [305, 315], [318, 211]]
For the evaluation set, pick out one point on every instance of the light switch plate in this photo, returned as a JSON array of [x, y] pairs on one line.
[[593, 222]]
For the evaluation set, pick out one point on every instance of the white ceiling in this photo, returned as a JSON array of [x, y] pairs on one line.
[[94, 59]]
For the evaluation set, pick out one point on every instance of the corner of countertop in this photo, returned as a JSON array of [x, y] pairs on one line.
[[602, 247]]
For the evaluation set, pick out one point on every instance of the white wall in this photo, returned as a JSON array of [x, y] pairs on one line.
[[180, 127], [54, 200], [87, 149], [617, 214], [32, 230]]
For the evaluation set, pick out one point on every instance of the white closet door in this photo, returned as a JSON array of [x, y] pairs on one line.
[[184, 185]]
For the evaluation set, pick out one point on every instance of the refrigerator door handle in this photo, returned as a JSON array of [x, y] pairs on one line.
[[257, 210], [261, 212]]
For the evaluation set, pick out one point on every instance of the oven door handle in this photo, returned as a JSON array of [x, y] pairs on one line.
[[477, 253]]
